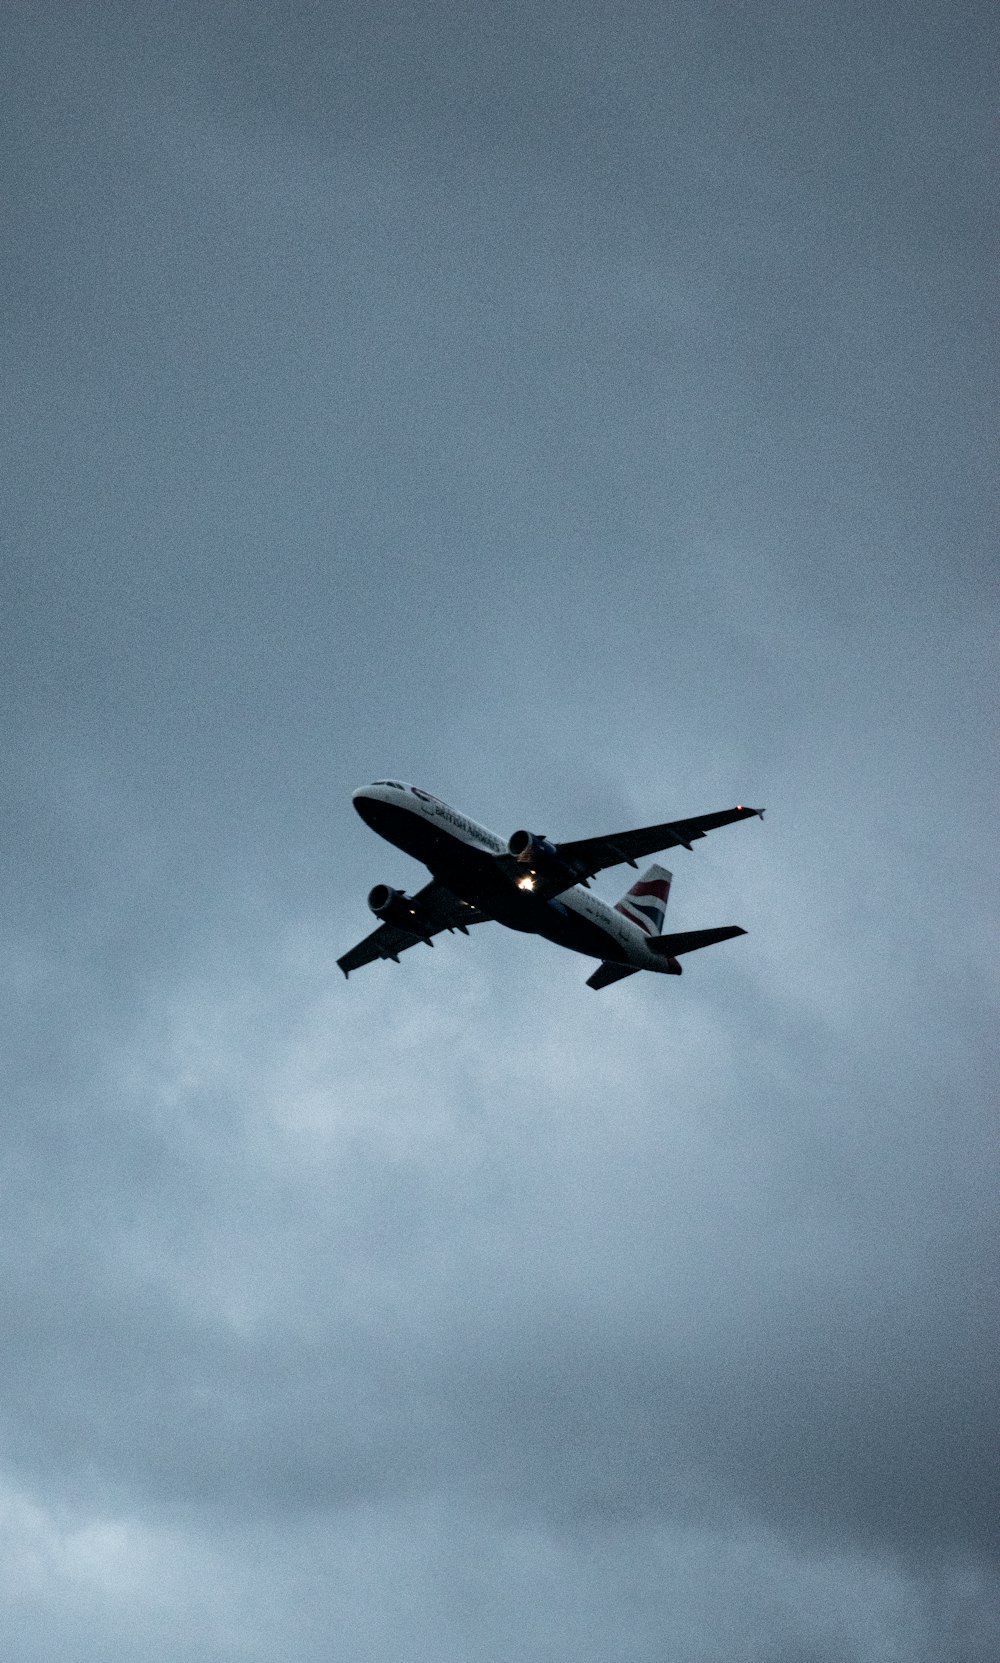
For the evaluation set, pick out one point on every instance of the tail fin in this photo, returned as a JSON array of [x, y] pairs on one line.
[[645, 903]]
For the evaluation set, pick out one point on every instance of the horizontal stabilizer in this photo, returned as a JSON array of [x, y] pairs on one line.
[[609, 972], [688, 941]]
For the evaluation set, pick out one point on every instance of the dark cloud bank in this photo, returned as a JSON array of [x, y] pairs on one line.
[[588, 412]]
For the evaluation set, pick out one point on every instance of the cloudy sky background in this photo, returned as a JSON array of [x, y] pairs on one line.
[[587, 412]]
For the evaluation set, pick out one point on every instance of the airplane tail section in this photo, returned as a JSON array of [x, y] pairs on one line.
[[645, 903], [609, 972], [689, 941]]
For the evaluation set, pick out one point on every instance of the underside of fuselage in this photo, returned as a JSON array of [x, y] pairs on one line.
[[473, 874]]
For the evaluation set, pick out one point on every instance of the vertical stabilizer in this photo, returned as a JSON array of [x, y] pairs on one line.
[[645, 903]]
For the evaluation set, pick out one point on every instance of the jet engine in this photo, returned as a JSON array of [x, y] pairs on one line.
[[541, 861], [395, 907]]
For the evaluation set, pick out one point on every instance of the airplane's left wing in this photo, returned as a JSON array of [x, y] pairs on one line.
[[590, 855], [437, 908]]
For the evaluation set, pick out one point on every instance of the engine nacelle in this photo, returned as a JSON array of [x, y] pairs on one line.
[[529, 849], [394, 906], [540, 859]]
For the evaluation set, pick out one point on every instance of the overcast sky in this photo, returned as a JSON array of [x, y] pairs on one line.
[[588, 412]]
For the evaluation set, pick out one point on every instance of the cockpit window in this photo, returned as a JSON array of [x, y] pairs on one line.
[[393, 785]]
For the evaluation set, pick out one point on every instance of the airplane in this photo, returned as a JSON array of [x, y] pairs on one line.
[[529, 884]]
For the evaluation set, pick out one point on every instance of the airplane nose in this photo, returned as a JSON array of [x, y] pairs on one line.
[[364, 803]]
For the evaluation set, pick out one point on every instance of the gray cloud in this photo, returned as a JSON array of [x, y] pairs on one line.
[[588, 415]]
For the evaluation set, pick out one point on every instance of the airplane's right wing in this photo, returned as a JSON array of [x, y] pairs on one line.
[[438, 909], [590, 855]]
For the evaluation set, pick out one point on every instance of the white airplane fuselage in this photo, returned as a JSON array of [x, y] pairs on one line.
[[462, 855]]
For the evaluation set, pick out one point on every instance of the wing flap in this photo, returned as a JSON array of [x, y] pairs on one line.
[[384, 943]]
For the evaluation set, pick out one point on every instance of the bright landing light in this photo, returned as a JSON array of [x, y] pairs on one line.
[[526, 883]]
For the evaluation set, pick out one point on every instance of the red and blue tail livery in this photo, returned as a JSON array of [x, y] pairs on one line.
[[646, 902]]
